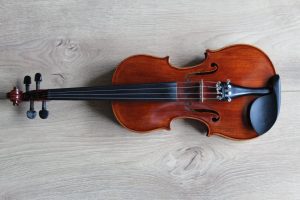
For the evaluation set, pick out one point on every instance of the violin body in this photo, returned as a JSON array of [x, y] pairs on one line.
[[234, 92], [244, 65]]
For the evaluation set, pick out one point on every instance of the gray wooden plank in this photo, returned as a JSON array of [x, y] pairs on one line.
[[81, 152]]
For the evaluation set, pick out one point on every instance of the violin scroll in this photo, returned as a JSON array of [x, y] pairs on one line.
[[15, 96]]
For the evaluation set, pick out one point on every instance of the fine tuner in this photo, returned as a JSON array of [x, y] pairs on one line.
[[234, 92]]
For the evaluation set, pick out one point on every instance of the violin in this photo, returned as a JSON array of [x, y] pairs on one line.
[[234, 92]]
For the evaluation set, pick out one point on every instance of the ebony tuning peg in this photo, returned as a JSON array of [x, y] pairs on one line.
[[38, 80], [31, 113], [27, 82], [44, 112]]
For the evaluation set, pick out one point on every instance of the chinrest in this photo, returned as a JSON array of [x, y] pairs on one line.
[[264, 110]]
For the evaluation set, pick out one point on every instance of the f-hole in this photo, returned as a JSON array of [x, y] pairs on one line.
[[213, 65]]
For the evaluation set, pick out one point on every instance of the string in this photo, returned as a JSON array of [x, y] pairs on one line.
[[118, 89], [196, 82], [85, 92], [167, 93], [80, 98]]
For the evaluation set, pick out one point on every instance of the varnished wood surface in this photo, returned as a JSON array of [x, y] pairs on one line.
[[81, 152], [234, 62]]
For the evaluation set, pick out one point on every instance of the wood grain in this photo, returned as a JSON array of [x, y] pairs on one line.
[[81, 152]]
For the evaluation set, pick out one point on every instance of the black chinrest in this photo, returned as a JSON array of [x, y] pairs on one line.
[[264, 110]]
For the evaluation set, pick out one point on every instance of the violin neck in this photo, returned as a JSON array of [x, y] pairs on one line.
[[149, 92]]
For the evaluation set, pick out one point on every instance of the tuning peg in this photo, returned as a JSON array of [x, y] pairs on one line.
[[44, 112], [31, 113], [38, 79], [27, 82]]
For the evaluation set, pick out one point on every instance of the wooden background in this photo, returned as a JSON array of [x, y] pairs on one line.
[[81, 152]]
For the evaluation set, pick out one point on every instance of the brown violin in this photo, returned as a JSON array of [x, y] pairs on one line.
[[235, 92]]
